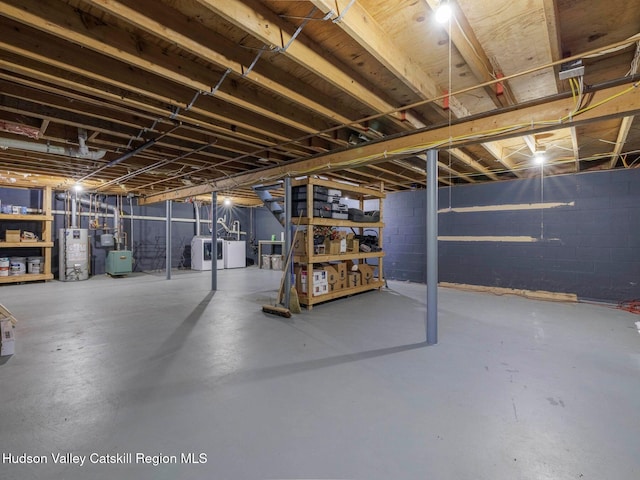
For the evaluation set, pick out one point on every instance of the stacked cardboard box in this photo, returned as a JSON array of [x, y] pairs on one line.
[[319, 282]]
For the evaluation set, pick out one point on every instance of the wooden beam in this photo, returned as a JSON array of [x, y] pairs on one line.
[[67, 25], [196, 116], [455, 173], [266, 26], [576, 147], [553, 31], [625, 126], [496, 150], [614, 102], [477, 166], [44, 126], [474, 55]]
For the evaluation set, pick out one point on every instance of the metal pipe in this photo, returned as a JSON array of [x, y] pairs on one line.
[[214, 242], [105, 206], [287, 240], [130, 196], [168, 239], [196, 208], [432, 247], [74, 210]]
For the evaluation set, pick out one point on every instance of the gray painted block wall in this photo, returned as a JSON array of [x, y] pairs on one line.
[[588, 247]]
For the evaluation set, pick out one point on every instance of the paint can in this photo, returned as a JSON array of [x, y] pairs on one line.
[[34, 265], [266, 261], [17, 265], [4, 266]]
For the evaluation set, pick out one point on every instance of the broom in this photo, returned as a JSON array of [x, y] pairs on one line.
[[275, 309]]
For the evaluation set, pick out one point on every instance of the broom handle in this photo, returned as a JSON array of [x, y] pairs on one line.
[[288, 261]]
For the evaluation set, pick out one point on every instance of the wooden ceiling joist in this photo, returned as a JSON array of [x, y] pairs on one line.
[[613, 102]]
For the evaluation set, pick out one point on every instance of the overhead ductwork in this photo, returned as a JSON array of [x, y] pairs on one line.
[[81, 152]]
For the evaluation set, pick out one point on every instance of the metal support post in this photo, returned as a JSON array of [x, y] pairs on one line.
[[432, 247], [287, 241], [214, 241], [169, 209]]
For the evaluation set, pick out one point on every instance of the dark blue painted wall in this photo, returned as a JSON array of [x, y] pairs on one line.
[[589, 248]]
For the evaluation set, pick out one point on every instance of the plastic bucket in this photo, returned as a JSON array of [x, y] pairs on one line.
[[4, 266], [17, 266], [266, 261], [34, 265], [276, 262]]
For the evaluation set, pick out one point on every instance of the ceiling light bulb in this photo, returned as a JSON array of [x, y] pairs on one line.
[[443, 13], [538, 157], [77, 187], [227, 202]]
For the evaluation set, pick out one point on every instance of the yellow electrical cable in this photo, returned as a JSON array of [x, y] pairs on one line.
[[602, 102], [478, 135]]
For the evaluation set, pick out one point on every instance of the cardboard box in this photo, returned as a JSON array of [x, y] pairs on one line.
[[6, 315], [319, 276], [353, 245], [7, 337], [341, 269], [332, 247], [332, 277], [366, 273], [321, 288], [354, 279], [335, 247], [300, 279], [300, 244], [12, 236]]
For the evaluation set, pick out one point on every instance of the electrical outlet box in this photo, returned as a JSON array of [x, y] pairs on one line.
[[571, 70]]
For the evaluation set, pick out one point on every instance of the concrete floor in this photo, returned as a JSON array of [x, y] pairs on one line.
[[516, 389]]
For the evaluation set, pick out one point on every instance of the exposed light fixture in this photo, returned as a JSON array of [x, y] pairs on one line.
[[78, 188], [443, 12], [226, 202], [539, 156]]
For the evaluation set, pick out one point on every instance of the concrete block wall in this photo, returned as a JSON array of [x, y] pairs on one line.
[[586, 245]]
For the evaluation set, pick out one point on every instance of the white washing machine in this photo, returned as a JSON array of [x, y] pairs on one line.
[[201, 253], [235, 253]]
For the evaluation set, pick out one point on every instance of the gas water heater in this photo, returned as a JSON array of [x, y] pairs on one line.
[[73, 254]]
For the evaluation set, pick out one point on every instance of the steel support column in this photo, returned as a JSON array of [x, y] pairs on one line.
[[168, 239], [287, 240], [432, 247], [214, 241]]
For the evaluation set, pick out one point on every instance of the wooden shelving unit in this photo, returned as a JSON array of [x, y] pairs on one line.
[[308, 261], [45, 244]]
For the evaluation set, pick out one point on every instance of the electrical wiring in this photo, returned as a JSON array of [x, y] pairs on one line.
[[632, 306], [635, 63], [602, 102], [477, 136]]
